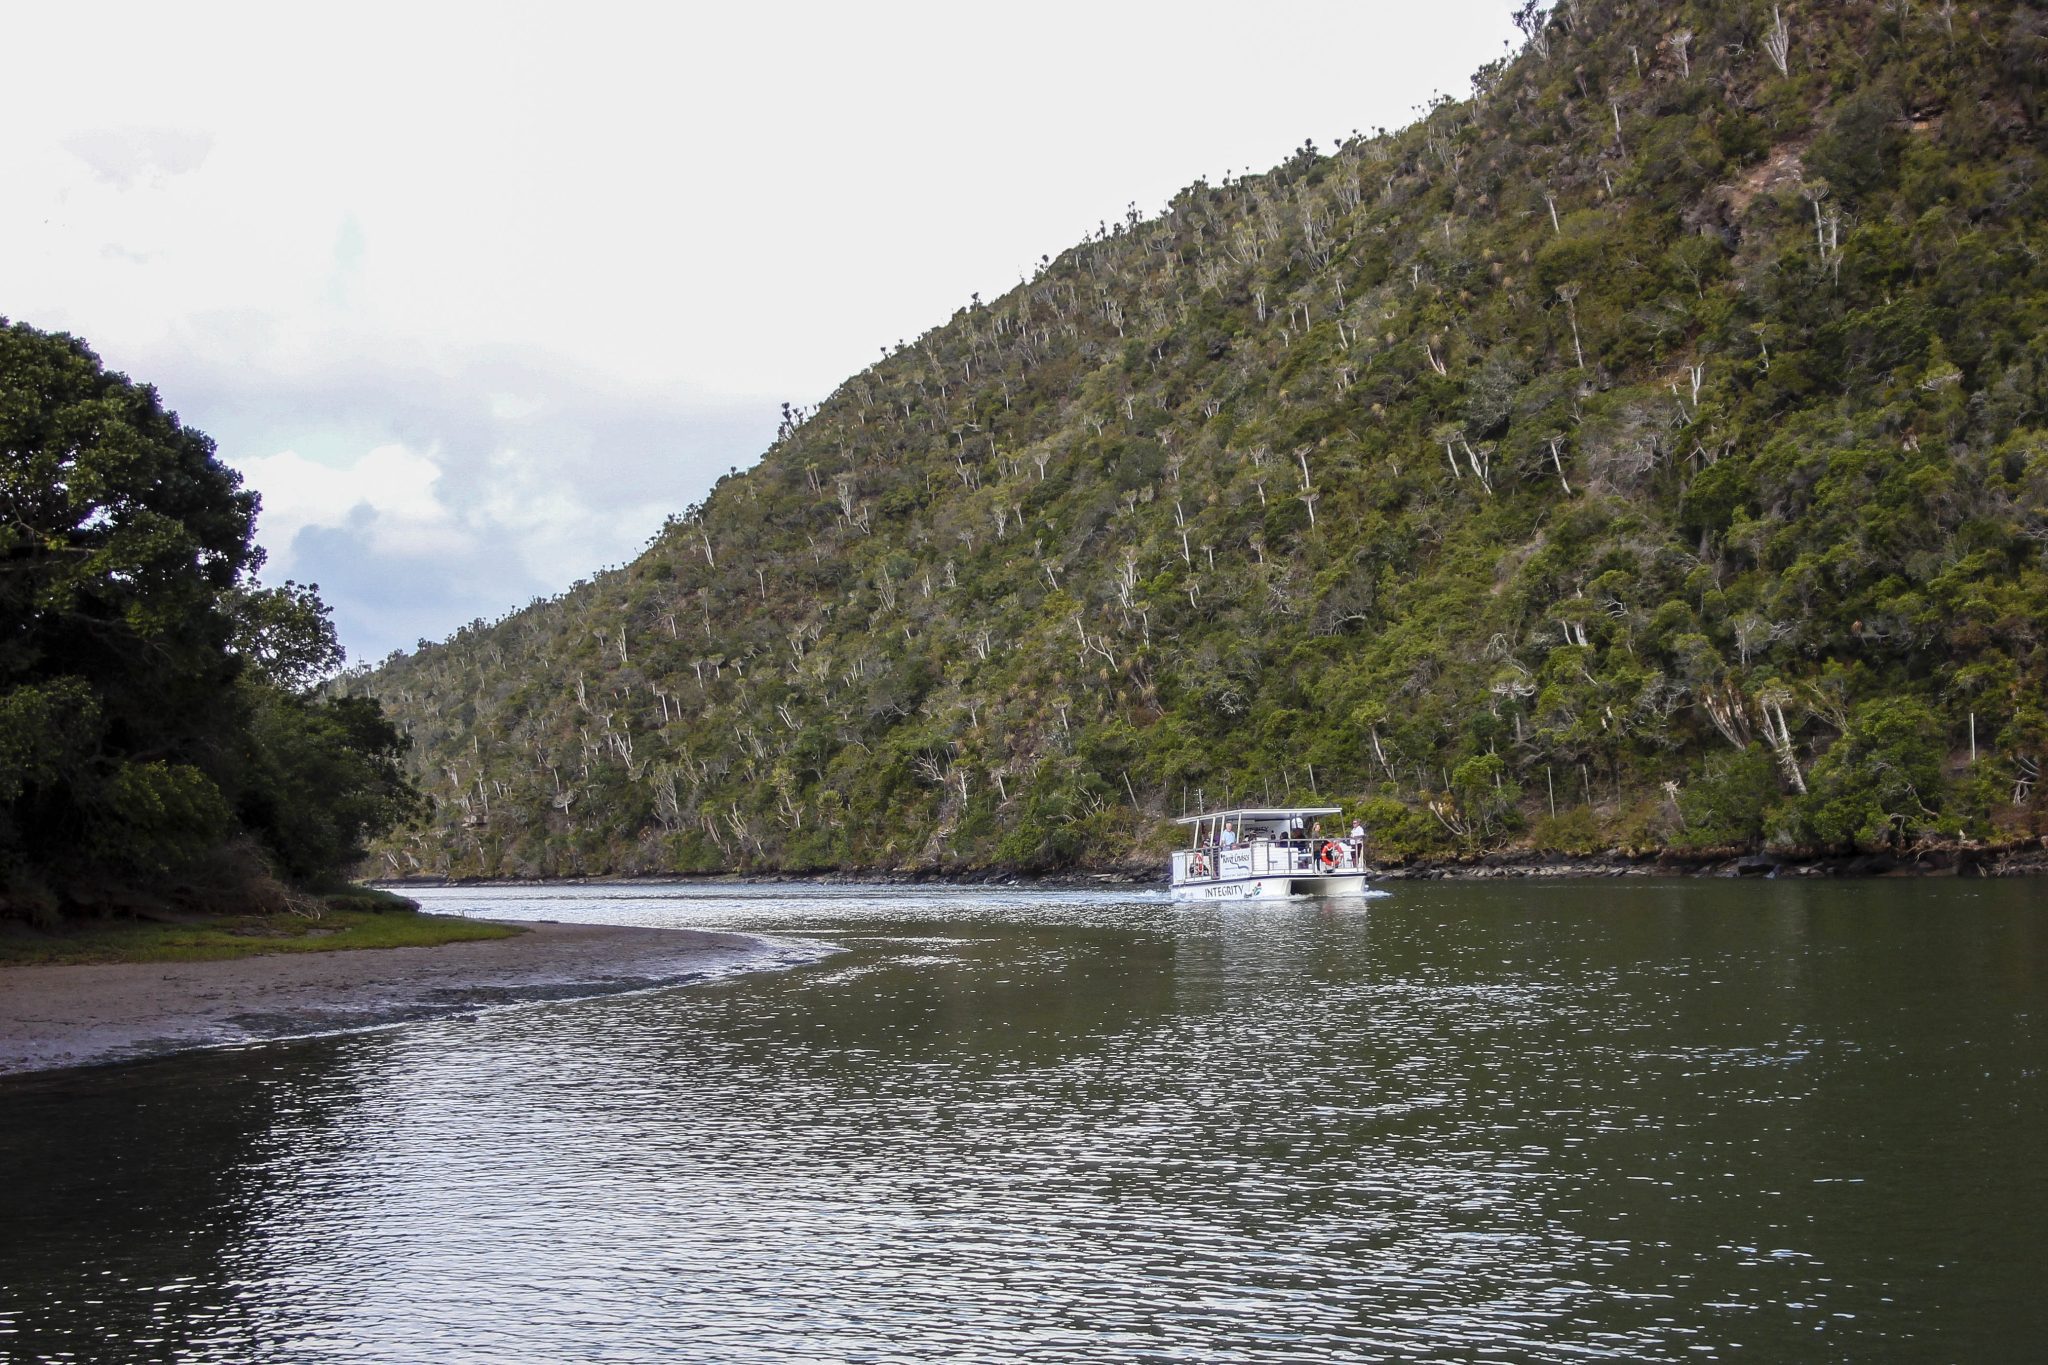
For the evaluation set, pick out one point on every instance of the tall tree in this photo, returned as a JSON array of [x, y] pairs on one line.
[[138, 656]]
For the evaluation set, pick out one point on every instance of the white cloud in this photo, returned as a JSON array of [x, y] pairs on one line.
[[124, 157], [393, 485], [396, 560]]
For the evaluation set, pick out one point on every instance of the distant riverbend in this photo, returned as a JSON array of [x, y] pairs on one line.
[[1634, 1119]]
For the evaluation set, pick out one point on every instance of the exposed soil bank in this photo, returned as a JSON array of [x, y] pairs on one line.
[[78, 1015]]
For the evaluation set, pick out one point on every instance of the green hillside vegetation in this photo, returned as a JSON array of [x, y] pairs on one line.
[[1648, 451], [162, 743]]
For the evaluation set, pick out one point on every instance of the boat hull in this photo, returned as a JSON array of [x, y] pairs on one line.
[[1270, 888]]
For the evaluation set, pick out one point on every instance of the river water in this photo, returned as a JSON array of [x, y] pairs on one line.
[[1618, 1119]]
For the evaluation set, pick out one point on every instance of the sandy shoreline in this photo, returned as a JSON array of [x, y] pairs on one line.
[[79, 1015]]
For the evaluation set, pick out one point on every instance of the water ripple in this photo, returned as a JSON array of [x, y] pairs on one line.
[[1464, 1123]]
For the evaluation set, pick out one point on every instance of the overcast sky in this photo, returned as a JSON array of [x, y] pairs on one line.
[[476, 295]]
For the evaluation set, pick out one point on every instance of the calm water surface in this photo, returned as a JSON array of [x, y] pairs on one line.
[[1601, 1120]]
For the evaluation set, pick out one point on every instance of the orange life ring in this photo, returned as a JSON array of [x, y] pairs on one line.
[[1198, 866], [1329, 855]]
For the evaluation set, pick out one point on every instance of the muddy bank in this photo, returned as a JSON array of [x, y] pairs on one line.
[[59, 1016]]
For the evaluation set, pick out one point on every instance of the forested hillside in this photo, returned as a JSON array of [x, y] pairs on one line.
[[1651, 449]]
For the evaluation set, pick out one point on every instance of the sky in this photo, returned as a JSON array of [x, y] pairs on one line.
[[476, 295]]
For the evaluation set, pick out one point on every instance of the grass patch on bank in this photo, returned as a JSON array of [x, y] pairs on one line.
[[350, 919]]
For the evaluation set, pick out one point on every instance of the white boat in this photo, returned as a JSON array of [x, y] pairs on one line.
[[1263, 854]]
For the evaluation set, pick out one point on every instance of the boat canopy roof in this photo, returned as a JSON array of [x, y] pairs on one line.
[[1260, 814]]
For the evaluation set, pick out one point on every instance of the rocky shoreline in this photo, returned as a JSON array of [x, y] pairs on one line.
[[2027, 858], [2011, 861]]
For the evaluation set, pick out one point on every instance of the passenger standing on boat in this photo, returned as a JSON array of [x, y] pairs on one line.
[[1229, 839], [1358, 843]]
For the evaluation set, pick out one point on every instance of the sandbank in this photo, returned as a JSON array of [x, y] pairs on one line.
[[68, 1015]]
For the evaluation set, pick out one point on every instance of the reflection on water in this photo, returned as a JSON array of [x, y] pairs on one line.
[[1599, 1120]]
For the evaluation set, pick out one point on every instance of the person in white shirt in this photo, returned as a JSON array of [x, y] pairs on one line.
[[1358, 843]]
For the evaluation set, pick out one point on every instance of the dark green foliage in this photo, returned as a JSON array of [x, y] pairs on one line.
[[1872, 787], [1859, 150], [150, 708], [1655, 422], [1575, 833], [152, 819], [285, 635], [323, 778], [1730, 805]]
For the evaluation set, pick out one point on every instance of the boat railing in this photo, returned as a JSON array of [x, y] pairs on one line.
[[1261, 857]]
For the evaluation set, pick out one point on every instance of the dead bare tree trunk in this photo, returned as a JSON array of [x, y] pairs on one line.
[[1778, 43], [1570, 294], [1771, 704]]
